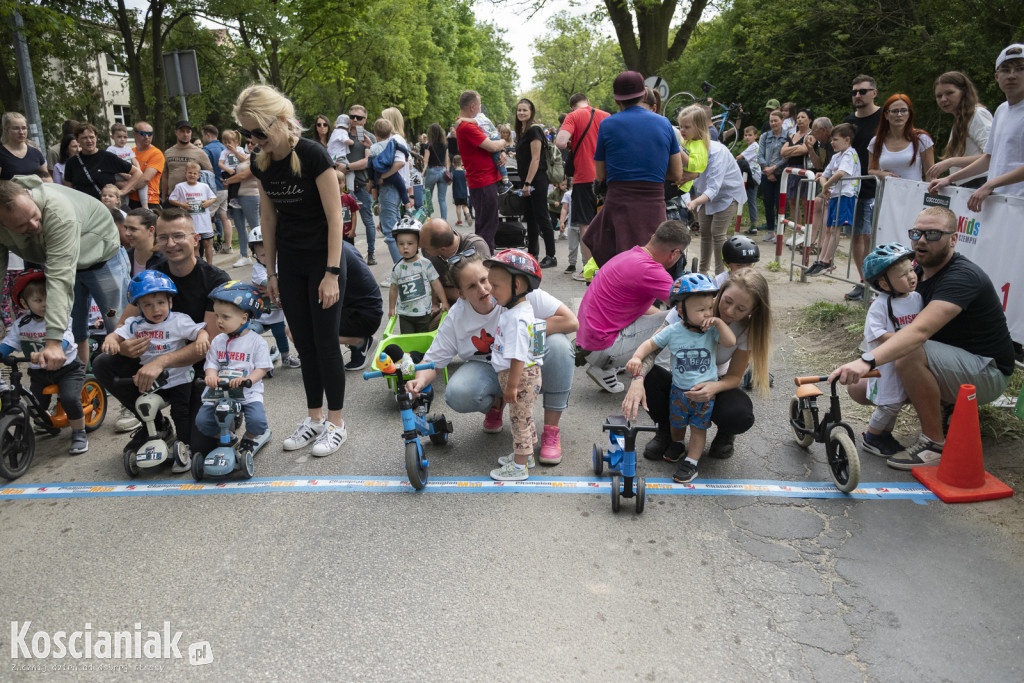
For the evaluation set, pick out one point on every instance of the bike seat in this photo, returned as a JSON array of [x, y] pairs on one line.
[[51, 389], [808, 391], [616, 420]]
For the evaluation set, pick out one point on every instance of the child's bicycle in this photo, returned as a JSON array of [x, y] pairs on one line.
[[21, 413], [415, 421], [225, 459], [838, 437], [728, 132], [621, 459]]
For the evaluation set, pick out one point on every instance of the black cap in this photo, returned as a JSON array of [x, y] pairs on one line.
[[183, 123]]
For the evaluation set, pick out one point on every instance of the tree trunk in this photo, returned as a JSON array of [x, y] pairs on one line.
[[156, 21], [645, 47], [136, 88]]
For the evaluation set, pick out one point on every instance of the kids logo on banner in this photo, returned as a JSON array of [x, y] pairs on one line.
[[993, 239]]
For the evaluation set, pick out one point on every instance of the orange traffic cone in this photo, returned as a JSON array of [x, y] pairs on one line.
[[961, 476]]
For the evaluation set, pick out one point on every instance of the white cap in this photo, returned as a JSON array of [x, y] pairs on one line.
[[1015, 51], [342, 121]]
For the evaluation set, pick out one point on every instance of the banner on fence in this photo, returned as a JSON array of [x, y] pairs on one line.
[[994, 238]]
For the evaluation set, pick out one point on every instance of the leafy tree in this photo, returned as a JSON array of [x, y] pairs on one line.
[[574, 56]]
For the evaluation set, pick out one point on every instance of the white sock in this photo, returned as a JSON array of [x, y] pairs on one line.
[[692, 461], [518, 466]]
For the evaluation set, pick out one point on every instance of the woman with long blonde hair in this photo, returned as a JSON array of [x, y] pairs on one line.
[[300, 217], [745, 306]]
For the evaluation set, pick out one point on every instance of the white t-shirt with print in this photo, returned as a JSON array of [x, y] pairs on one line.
[[167, 336], [469, 335], [900, 162], [245, 353], [126, 153], [887, 389], [229, 159], [1006, 145], [520, 336], [337, 145], [413, 282], [194, 196], [29, 334], [750, 154], [849, 163]]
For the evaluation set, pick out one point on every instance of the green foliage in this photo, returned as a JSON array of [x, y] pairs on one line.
[[575, 56], [826, 314], [808, 51], [773, 266]]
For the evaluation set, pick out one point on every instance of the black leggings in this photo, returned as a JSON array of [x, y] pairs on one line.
[[733, 412], [538, 220], [314, 330]]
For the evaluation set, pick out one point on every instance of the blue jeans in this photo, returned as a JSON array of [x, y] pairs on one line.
[[108, 285], [248, 214], [434, 177], [255, 419], [474, 386], [417, 196], [390, 211], [366, 213], [752, 203]]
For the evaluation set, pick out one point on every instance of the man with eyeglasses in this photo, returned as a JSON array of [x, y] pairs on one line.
[[865, 118], [1004, 152], [73, 235], [439, 242], [151, 161], [195, 279], [361, 141], [959, 337], [177, 157]]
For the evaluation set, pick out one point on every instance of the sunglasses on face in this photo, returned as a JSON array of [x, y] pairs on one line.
[[144, 133], [861, 91], [321, 124], [930, 235], [357, 117], [452, 260], [255, 133]]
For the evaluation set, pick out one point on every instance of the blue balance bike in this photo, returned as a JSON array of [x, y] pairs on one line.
[[621, 459], [415, 421], [225, 459]]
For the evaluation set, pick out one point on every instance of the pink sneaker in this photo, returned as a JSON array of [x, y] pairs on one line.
[[493, 421], [550, 446]]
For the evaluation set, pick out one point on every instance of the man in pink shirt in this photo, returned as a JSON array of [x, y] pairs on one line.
[[617, 312]]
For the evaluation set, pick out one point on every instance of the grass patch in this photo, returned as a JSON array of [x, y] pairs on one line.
[[1003, 424], [823, 315], [773, 266]]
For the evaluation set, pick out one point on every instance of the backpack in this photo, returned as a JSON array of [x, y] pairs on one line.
[[553, 158]]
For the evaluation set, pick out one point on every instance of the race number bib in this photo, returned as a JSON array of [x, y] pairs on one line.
[[538, 333], [195, 206], [412, 289]]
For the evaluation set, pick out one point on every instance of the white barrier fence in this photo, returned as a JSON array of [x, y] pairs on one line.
[[993, 238]]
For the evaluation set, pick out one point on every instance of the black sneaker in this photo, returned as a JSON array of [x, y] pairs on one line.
[[569, 269], [360, 355], [675, 451], [751, 231], [686, 473], [924, 452], [882, 445], [655, 448], [856, 294], [722, 446], [370, 260], [815, 268], [548, 262]]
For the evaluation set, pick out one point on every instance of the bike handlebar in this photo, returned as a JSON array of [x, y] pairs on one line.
[[814, 379], [377, 373], [131, 380], [607, 427]]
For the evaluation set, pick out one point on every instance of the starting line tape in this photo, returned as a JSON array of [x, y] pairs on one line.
[[592, 485]]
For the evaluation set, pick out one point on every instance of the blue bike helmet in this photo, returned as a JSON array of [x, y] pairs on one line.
[[241, 294], [148, 282], [691, 283], [881, 259]]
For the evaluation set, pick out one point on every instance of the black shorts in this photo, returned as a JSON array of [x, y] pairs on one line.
[[359, 323], [584, 204]]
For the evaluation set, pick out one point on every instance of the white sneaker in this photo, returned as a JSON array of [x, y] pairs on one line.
[[304, 434], [386, 282], [290, 361], [509, 472], [126, 421], [606, 379], [182, 458], [330, 439], [511, 457], [241, 262]]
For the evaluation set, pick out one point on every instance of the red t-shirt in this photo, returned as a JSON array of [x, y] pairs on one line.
[[575, 123], [348, 202], [480, 168]]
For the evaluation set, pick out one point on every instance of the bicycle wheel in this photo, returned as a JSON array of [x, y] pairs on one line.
[[731, 138], [802, 418], [676, 103], [92, 395], [414, 466], [17, 444], [843, 460]]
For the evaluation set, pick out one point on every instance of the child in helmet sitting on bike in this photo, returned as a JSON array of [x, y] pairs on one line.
[[412, 280], [236, 304], [889, 269], [517, 354], [693, 343], [273, 319], [167, 331], [27, 334]]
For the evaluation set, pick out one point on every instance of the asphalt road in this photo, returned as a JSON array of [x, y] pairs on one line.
[[518, 586]]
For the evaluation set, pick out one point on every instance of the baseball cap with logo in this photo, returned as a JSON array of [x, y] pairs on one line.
[[628, 85], [1015, 51]]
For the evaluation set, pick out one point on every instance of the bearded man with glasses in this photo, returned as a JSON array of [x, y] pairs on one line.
[[959, 337], [865, 119]]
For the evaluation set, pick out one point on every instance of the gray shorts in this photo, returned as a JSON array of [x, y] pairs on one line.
[[953, 366], [863, 216], [221, 204]]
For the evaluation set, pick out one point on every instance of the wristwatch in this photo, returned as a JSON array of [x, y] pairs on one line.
[[336, 270], [869, 359]]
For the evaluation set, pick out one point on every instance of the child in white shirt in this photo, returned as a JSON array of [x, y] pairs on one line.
[[339, 144], [238, 349], [412, 281], [273, 318], [120, 148], [840, 208], [889, 269], [517, 354], [197, 198], [228, 162]]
